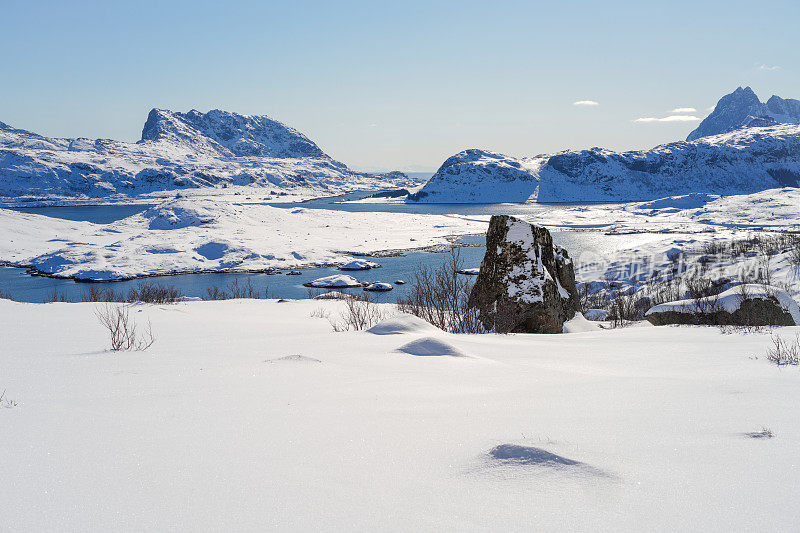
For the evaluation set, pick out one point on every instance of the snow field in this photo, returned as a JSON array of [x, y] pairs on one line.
[[229, 422]]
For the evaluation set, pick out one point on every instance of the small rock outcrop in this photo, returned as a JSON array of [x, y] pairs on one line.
[[742, 305], [526, 284]]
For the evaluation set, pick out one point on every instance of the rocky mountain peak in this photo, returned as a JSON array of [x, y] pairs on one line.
[[228, 134], [742, 109]]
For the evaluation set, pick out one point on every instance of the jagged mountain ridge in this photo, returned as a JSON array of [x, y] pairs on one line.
[[739, 162], [177, 151], [743, 109]]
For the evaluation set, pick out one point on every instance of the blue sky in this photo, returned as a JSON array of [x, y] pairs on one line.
[[396, 84]]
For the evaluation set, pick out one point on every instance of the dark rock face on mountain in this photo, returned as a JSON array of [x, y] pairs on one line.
[[743, 109], [228, 134], [526, 284]]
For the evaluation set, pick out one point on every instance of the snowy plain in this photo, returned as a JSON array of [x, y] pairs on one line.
[[252, 414]]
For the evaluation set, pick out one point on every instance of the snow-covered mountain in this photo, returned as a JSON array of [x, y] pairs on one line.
[[228, 134], [177, 151], [739, 162], [742, 109]]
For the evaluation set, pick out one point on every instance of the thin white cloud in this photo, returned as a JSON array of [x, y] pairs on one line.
[[711, 108], [768, 67], [683, 110], [586, 103], [671, 118]]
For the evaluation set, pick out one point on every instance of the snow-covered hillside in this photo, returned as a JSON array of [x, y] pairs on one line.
[[177, 151], [743, 109], [193, 235], [252, 415], [739, 162]]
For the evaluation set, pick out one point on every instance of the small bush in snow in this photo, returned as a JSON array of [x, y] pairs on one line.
[[235, 290], [123, 331], [6, 403], [96, 294], [784, 353], [56, 296], [765, 433], [440, 296], [154, 293], [361, 313]]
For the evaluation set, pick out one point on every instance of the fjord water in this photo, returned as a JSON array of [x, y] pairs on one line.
[[27, 288]]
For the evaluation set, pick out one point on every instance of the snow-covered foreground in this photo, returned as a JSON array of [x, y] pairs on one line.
[[248, 415]]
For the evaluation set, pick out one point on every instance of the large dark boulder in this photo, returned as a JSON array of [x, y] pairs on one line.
[[526, 284]]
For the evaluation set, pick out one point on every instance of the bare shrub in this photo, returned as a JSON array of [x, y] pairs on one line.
[[440, 296], [321, 312], [784, 353], [5, 295], [56, 296], [94, 293], [6, 403], [123, 330], [235, 290], [361, 312], [705, 294], [154, 293], [625, 308], [765, 433]]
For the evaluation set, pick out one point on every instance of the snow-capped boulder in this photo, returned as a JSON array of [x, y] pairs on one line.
[[743, 109], [337, 281], [359, 264], [526, 284], [742, 305], [379, 287]]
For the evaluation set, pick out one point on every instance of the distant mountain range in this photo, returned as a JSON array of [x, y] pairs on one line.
[[177, 151], [743, 146]]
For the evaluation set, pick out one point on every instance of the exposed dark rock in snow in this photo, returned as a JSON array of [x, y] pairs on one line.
[[526, 284], [749, 305]]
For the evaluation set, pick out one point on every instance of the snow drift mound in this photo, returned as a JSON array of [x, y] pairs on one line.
[[693, 200], [431, 347], [400, 324], [579, 324], [177, 214]]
